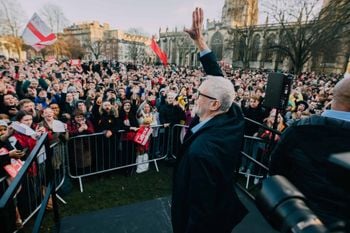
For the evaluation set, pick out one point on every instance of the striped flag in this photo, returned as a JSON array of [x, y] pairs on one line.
[[37, 34]]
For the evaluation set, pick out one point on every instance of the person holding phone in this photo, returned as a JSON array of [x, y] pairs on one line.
[[8, 152], [25, 144]]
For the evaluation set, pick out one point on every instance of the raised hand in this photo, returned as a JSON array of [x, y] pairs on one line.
[[195, 31]]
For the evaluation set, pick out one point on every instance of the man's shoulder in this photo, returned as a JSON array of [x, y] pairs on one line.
[[316, 120]]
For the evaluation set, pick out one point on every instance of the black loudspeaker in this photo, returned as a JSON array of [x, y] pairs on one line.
[[277, 90]]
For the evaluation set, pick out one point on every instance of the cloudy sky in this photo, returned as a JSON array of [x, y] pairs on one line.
[[125, 14]]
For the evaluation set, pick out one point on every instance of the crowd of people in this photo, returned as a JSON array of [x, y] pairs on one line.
[[168, 93], [108, 96]]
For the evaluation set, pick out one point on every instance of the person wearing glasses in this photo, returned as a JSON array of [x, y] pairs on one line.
[[203, 196]]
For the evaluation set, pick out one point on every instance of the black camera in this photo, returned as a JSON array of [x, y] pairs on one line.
[[284, 206]]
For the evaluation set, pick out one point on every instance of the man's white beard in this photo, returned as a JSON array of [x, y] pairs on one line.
[[195, 111]]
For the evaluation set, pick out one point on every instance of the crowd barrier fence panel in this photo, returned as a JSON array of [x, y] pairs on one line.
[[93, 154], [255, 153], [178, 133], [33, 186]]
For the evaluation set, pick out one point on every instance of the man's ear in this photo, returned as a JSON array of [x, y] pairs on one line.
[[214, 105]]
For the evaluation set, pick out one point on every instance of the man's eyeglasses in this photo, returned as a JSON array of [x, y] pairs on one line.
[[207, 96]]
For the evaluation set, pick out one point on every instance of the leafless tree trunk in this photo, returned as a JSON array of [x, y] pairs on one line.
[[305, 28], [54, 16], [11, 20], [95, 47]]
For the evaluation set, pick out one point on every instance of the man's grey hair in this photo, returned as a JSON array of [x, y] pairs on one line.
[[220, 88]]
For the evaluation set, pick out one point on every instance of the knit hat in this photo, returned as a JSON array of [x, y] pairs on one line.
[[3, 123]]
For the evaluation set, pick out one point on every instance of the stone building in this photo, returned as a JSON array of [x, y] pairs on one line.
[[9, 50], [238, 40], [111, 44]]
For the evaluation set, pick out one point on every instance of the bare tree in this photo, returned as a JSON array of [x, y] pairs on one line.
[[74, 48], [135, 48], [12, 19], [95, 47], [137, 31], [54, 16], [241, 43], [306, 28], [133, 51]]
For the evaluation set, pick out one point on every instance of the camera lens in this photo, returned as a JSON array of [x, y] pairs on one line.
[[285, 209]]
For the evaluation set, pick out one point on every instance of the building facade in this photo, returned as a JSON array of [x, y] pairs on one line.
[[239, 41], [103, 43], [9, 50]]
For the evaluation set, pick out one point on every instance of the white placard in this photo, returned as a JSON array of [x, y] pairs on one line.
[[22, 128], [58, 126]]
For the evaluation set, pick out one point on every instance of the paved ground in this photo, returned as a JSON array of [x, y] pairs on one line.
[[149, 217]]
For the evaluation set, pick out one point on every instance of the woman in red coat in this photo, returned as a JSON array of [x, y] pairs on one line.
[[24, 139]]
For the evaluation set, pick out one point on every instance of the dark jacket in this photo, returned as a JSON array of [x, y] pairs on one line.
[[203, 198], [210, 66], [257, 114], [169, 113], [301, 156]]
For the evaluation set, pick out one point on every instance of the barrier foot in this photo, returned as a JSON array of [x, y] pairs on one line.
[[156, 165], [61, 199], [247, 183], [81, 185]]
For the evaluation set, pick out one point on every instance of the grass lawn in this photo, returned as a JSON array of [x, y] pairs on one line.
[[111, 190]]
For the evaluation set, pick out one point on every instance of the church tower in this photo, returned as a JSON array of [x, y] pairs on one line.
[[240, 12]]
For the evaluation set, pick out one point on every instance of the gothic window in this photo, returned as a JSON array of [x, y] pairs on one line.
[[241, 49], [255, 48], [217, 45], [174, 51], [270, 41], [330, 55]]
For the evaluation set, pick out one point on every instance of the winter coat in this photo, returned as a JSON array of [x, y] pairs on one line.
[[302, 157]]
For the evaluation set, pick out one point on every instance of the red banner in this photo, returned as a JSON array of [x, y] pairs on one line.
[[162, 55], [142, 135]]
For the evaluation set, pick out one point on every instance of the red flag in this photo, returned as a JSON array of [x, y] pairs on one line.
[[162, 55], [37, 34]]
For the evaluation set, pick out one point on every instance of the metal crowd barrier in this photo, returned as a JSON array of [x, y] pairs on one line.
[[30, 191], [36, 183], [255, 155], [93, 154], [254, 160], [176, 138]]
